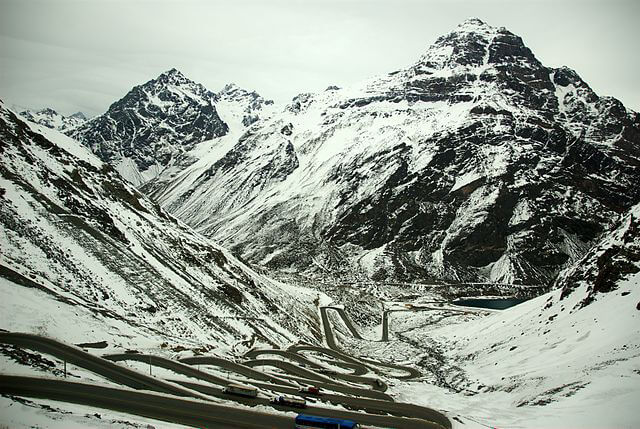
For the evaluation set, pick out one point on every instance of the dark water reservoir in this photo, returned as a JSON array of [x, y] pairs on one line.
[[492, 303]]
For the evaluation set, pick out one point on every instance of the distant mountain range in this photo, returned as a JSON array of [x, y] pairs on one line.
[[52, 119], [475, 163]]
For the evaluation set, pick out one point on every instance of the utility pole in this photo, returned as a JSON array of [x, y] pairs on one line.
[[65, 369]]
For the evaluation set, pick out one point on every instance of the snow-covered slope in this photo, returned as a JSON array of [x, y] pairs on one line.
[[146, 130], [52, 119], [85, 256], [475, 163], [239, 109], [569, 358]]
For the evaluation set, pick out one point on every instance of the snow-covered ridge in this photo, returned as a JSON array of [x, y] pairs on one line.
[[475, 163], [613, 263], [52, 119], [79, 243]]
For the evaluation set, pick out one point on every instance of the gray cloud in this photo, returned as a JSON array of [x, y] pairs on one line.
[[84, 54]]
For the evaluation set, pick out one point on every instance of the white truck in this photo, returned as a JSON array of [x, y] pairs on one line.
[[240, 390]]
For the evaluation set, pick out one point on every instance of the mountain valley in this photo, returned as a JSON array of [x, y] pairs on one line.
[[316, 250]]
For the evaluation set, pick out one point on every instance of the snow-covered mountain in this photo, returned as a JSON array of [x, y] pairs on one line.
[[52, 119], [238, 102], [569, 358], [239, 109], [85, 255], [153, 125], [475, 163]]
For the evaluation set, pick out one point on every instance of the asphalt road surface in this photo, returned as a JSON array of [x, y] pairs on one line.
[[166, 408], [356, 369], [328, 330], [98, 365], [191, 413], [382, 410], [235, 367]]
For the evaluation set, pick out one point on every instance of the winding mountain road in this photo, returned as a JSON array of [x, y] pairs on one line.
[[166, 408], [95, 364], [383, 411], [228, 365], [330, 338], [356, 369]]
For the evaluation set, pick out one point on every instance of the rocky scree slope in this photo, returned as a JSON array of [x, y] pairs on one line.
[[475, 163], [52, 119], [86, 257], [153, 124]]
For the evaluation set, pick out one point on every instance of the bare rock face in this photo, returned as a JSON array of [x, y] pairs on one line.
[[152, 125], [475, 163]]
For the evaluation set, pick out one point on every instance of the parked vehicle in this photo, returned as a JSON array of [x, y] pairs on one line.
[[240, 390], [289, 401], [310, 390], [304, 421]]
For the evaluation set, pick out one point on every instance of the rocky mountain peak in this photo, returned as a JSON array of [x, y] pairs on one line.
[[564, 76], [47, 111], [474, 43], [168, 90], [474, 25], [173, 72], [154, 123], [79, 115], [173, 77], [477, 163], [251, 104], [233, 91], [230, 87]]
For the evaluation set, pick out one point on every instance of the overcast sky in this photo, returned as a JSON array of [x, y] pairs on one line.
[[85, 54]]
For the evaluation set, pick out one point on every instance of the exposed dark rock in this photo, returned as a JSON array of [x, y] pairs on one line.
[[614, 259], [154, 123], [476, 163]]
